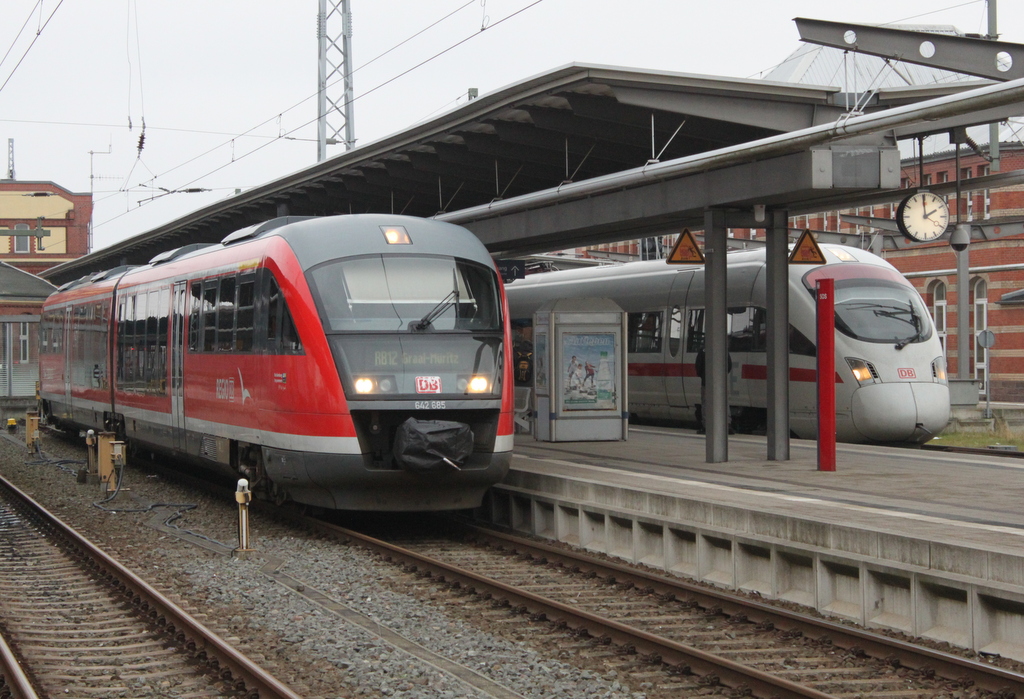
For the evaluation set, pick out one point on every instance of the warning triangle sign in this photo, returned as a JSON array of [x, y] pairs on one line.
[[806, 251], [685, 250]]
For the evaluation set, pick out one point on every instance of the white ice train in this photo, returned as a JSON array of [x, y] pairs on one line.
[[890, 368]]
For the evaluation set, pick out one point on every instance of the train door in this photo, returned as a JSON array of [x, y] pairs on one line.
[[68, 358], [678, 401], [746, 336], [177, 365]]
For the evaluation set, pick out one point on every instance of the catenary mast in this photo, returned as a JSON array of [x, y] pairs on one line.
[[334, 107]]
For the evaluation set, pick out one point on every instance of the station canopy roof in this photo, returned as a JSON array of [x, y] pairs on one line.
[[568, 125], [20, 287]]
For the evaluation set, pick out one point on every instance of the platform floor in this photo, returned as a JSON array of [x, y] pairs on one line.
[[928, 495]]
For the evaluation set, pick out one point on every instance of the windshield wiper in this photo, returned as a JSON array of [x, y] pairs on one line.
[[452, 299], [918, 328]]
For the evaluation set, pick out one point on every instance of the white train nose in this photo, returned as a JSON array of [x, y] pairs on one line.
[[896, 412]]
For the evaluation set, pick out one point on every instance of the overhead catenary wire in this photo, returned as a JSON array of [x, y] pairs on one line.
[[311, 121], [39, 31], [385, 83], [277, 117], [14, 41], [286, 134]]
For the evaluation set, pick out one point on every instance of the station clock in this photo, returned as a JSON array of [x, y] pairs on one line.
[[922, 217]]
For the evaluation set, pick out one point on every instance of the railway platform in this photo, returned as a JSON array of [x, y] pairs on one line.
[[923, 542]]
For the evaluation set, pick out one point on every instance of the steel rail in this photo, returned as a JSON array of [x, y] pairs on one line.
[[730, 673], [231, 665], [15, 681], [915, 657]]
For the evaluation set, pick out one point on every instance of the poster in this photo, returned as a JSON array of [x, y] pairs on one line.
[[540, 363], [589, 371]]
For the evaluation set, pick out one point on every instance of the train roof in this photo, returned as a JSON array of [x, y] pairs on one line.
[[834, 254], [316, 239]]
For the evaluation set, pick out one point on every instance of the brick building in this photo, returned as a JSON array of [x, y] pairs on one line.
[[29, 206], [32, 207]]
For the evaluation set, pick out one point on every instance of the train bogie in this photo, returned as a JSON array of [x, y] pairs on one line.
[[890, 370], [294, 354]]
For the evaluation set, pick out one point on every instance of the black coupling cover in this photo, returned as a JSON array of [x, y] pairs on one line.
[[431, 446]]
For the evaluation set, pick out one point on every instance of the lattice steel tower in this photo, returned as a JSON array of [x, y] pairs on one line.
[[334, 106]]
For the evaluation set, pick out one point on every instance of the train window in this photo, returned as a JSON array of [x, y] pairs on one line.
[[800, 344], [289, 333], [226, 315], [875, 304], [122, 342], [151, 376], [138, 367], [163, 309], [195, 315], [695, 330], [282, 335], [645, 331], [675, 331], [210, 315], [244, 314], [399, 292], [747, 329]]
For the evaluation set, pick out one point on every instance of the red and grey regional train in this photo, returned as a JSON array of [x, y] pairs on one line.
[[350, 362], [890, 366]]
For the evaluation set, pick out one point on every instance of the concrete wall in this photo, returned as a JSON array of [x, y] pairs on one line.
[[964, 596]]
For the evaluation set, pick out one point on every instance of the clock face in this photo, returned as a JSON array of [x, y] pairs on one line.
[[923, 217]]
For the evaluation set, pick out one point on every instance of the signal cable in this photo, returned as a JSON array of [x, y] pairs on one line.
[[14, 42], [381, 85], [307, 123], [306, 99], [34, 39]]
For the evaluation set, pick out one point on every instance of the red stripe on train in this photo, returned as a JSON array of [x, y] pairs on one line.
[[754, 372]]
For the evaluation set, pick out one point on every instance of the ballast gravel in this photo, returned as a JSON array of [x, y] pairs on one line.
[[314, 651]]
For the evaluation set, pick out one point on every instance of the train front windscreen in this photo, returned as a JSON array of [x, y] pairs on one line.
[[875, 304], [405, 326]]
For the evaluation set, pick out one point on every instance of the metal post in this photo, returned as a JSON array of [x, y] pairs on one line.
[[993, 129], [91, 470], [988, 387], [334, 57], [826, 375], [243, 496], [32, 430], [716, 338], [8, 358], [777, 282], [321, 82]]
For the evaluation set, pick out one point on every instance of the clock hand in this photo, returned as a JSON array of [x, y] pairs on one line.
[[927, 214]]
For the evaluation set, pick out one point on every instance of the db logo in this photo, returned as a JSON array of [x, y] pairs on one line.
[[428, 384], [907, 373]]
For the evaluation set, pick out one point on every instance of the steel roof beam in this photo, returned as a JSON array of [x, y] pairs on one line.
[[995, 60]]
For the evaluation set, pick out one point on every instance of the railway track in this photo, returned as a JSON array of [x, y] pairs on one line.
[[81, 625], [673, 638]]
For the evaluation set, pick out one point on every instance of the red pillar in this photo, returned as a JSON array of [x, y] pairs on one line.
[[826, 375]]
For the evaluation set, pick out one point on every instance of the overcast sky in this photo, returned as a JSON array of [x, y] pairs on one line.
[[226, 88]]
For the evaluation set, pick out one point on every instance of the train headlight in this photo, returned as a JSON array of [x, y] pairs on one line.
[[939, 369], [364, 385], [386, 385], [396, 235], [863, 371], [474, 384]]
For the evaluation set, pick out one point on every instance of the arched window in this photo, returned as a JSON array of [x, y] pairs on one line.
[[979, 289], [938, 295]]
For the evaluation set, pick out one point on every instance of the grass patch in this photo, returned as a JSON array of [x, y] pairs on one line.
[[1000, 434]]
